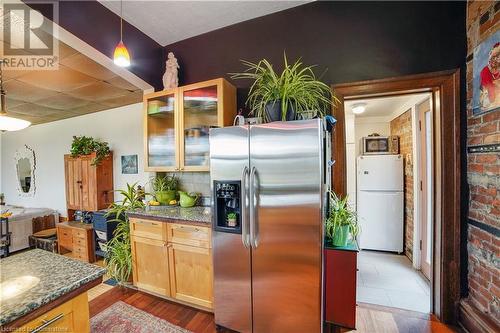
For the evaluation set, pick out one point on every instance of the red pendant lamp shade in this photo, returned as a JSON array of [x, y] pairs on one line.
[[121, 57]]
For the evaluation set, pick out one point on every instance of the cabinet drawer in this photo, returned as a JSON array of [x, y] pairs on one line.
[[148, 229], [80, 242], [189, 235], [72, 316], [79, 233], [81, 256], [80, 249], [65, 237]]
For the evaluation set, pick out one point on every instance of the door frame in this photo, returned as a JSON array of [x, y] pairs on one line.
[[445, 89], [422, 179]]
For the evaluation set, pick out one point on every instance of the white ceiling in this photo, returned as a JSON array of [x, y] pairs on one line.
[[168, 21], [385, 106]]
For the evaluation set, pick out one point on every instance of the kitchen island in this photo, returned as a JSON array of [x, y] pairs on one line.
[[40, 289]]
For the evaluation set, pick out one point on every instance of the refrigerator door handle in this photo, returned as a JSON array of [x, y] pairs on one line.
[[254, 203], [245, 200]]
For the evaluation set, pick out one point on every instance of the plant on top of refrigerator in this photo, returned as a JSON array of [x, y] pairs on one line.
[[283, 96], [342, 221]]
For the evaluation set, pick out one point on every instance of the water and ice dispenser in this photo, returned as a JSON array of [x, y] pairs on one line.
[[227, 198]]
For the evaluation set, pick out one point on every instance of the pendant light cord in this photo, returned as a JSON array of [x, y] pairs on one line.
[[121, 20]]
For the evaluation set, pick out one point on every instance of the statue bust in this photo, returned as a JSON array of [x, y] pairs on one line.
[[170, 78]]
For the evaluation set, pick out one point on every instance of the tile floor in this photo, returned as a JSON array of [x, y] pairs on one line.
[[390, 280]]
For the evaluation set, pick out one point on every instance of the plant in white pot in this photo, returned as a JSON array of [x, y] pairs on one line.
[[342, 222], [295, 93]]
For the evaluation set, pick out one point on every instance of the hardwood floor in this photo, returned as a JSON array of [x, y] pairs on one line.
[[370, 319]]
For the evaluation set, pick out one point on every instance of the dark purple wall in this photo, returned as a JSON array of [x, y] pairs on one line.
[[353, 40], [98, 26]]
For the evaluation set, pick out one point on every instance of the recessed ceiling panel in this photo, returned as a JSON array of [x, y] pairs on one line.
[[171, 21], [63, 79]]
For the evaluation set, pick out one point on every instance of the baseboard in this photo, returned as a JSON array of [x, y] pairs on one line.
[[474, 321]]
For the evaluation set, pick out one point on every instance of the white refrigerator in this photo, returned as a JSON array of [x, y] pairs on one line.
[[380, 202]]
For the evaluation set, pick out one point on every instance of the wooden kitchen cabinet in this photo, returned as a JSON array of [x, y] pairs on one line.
[[177, 122], [71, 316], [191, 275], [150, 265], [173, 260], [88, 187]]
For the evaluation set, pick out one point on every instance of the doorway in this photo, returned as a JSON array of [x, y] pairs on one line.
[[383, 163], [444, 90]]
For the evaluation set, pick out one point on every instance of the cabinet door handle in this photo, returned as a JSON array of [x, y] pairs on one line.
[[47, 323]]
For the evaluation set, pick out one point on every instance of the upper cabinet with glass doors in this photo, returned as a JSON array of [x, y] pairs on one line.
[[177, 124]]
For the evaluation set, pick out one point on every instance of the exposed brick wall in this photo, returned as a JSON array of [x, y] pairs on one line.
[[483, 175], [401, 126]]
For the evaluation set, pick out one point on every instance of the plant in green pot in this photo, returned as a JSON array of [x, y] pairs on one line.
[[119, 255], [295, 93], [165, 188], [342, 222]]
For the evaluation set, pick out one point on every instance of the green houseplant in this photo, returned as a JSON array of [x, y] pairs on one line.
[[84, 145], [294, 92], [119, 254], [341, 222], [165, 188]]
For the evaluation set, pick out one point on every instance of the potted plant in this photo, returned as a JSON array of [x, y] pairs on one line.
[[342, 221], [287, 96], [165, 188], [231, 219], [119, 254], [83, 145]]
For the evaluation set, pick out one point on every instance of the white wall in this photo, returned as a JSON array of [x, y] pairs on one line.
[[369, 125], [122, 128]]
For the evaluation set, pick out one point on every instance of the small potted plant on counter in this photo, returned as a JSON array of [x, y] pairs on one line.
[[231, 219], [296, 93], [342, 222], [165, 188]]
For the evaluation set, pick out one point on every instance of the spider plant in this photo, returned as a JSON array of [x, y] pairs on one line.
[[296, 89], [119, 255], [341, 222]]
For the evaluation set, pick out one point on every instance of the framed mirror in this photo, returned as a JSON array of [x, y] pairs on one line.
[[25, 171]]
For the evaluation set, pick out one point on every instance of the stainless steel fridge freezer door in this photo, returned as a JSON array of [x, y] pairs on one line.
[[286, 191], [229, 157]]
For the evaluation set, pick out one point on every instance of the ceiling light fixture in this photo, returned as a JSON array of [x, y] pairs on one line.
[[8, 123], [121, 56], [358, 108]]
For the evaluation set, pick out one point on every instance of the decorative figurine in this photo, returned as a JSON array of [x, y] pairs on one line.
[[170, 78]]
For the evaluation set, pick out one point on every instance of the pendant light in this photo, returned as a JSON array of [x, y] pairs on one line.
[[8, 123], [121, 56]]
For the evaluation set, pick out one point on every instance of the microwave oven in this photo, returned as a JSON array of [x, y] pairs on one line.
[[377, 145]]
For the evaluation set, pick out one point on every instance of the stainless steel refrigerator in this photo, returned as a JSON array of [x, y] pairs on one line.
[[269, 187]]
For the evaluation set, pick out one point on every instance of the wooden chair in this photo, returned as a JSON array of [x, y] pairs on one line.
[[44, 233]]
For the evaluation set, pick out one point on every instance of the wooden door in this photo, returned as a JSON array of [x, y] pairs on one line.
[[73, 171], [191, 275], [88, 184], [150, 265], [426, 186]]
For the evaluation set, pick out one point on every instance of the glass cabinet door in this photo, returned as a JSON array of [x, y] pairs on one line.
[[161, 141], [199, 114]]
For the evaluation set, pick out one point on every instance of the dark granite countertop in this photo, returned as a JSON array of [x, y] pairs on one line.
[[197, 214], [31, 279]]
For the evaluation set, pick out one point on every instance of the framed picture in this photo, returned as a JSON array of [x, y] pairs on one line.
[[129, 164], [486, 75]]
